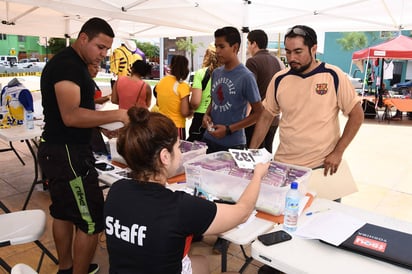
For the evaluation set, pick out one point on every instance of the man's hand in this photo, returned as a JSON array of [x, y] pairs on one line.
[[219, 131], [331, 163]]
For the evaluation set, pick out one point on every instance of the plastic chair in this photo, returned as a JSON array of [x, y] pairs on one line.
[[22, 269], [22, 227]]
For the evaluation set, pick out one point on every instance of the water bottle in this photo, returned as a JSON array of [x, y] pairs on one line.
[[291, 208], [29, 119]]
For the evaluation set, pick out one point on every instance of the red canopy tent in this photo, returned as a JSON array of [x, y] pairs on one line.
[[396, 48]]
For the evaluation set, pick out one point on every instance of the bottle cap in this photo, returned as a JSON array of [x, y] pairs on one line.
[[294, 185]]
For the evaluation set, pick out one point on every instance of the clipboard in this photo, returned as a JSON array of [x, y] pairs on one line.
[[334, 186]]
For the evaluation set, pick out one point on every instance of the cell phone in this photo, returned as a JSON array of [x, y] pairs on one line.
[[104, 166], [275, 237]]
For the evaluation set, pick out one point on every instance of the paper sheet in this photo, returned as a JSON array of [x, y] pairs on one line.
[[333, 187], [330, 226], [112, 126]]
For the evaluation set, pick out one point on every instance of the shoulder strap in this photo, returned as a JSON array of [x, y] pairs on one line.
[[140, 91], [205, 79]]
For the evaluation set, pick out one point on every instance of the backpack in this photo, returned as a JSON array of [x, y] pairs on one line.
[[369, 110], [15, 99]]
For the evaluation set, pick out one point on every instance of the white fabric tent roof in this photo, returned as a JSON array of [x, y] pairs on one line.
[[172, 18]]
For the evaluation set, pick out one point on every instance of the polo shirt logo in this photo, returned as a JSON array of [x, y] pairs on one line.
[[322, 88]]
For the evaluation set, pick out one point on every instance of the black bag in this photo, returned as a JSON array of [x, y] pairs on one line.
[[369, 110]]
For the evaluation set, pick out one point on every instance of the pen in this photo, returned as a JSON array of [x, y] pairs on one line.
[[317, 211]]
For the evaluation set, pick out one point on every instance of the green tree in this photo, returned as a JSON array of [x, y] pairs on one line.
[[187, 44], [151, 51], [353, 41], [57, 44]]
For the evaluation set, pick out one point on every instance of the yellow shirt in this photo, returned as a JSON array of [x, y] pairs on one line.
[[169, 101]]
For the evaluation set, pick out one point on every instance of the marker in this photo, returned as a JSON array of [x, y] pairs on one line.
[[316, 212]]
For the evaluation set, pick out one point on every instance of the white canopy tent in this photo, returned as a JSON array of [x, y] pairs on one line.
[[172, 18]]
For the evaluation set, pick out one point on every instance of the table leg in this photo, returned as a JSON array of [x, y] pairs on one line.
[[15, 152], [36, 173], [225, 246], [248, 260]]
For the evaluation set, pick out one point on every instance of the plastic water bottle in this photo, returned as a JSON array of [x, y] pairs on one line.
[[29, 119], [291, 208]]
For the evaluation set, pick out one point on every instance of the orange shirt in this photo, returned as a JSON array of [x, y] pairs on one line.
[[131, 92]]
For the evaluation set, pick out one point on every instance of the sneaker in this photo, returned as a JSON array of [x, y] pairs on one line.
[[93, 268], [65, 271]]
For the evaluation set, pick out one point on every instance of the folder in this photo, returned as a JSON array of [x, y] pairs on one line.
[[334, 186]]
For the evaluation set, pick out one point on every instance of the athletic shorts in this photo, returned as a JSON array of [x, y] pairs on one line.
[[73, 185]]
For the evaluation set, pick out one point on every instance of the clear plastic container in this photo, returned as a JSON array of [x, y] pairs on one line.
[[29, 119]]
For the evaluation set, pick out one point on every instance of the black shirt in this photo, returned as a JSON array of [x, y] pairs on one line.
[[147, 226], [65, 66]]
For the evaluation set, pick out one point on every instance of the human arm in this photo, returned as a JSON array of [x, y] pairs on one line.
[[261, 128], [229, 216], [195, 98], [148, 95], [115, 97], [68, 100], [183, 91], [220, 130], [355, 120], [185, 107], [198, 87]]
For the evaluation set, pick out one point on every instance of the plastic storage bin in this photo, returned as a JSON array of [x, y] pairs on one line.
[[190, 150], [217, 174]]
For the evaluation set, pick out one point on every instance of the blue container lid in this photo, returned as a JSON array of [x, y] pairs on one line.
[[294, 185]]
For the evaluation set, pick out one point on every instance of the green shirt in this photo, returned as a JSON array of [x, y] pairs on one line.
[[197, 83]]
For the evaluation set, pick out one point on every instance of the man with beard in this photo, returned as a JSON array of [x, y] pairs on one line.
[[309, 96]]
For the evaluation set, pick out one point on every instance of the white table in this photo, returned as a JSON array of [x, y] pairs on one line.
[[311, 256], [20, 133], [244, 235]]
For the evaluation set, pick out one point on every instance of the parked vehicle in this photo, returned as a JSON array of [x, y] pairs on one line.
[[30, 62], [403, 88], [7, 60], [356, 82], [155, 72]]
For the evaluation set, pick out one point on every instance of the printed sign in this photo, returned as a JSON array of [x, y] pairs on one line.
[[249, 158]]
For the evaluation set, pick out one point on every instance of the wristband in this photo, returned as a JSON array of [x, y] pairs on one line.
[[228, 131]]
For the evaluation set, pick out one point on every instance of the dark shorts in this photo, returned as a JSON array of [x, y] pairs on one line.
[[213, 147], [80, 200]]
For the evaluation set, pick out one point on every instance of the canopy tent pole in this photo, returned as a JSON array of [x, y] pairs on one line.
[[245, 30], [365, 75]]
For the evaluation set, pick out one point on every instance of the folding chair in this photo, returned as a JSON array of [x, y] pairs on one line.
[[22, 227]]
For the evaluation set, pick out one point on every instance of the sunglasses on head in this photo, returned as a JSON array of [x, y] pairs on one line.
[[301, 32]]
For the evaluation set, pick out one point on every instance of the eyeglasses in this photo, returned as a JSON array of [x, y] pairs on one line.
[[301, 32]]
